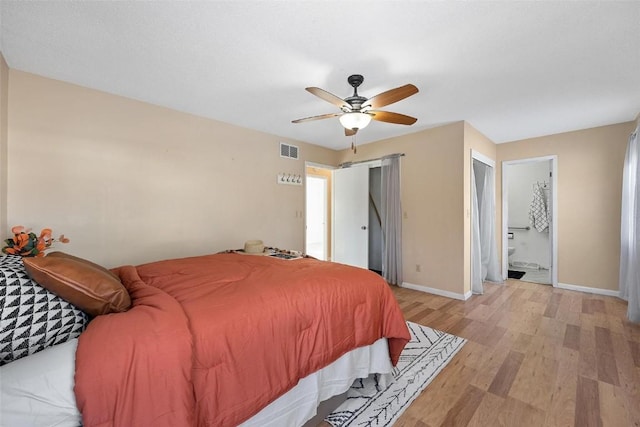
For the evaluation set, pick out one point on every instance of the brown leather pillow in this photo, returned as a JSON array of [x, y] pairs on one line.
[[84, 261], [87, 287]]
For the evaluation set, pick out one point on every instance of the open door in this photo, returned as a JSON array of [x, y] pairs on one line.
[[350, 242]]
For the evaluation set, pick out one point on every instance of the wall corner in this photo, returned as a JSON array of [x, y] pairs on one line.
[[4, 163]]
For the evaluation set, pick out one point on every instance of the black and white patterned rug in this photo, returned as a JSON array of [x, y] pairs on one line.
[[370, 402]]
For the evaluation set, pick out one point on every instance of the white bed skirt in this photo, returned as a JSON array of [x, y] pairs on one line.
[[299, 404], [38, 390]]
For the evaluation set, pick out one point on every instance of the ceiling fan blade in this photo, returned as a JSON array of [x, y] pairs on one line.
[[386, 116], [323, 116], [350, 132], [329, 97], [391, 96]]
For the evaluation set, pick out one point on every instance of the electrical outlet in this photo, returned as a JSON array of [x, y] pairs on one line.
[[405, 215], [418, 268]]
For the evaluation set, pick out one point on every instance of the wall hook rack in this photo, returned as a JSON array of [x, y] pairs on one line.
[[289, 178]]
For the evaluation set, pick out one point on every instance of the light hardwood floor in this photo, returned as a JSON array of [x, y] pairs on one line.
[[535, 356]]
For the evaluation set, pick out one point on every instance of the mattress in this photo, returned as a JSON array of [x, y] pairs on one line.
[[38, 390]]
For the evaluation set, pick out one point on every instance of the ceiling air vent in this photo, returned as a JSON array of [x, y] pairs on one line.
[[288, 151]]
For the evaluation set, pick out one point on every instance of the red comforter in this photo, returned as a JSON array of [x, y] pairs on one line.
[[211, 340]]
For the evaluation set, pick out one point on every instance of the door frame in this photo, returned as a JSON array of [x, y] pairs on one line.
[[554, 213]]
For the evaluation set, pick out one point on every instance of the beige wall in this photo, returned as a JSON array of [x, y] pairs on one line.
[[589, 190], [130, 182], [4, 113], [432, 199]]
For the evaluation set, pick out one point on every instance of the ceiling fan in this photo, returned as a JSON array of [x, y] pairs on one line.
[[357, 111]]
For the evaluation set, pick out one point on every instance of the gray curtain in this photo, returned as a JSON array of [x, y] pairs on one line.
[[630, 229], [484, 264], [391, 215], [476, 258]]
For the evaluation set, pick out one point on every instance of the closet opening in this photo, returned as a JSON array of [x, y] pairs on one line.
[[485, 264], [375, 221]]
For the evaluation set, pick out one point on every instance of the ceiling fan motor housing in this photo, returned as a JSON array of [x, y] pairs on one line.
[[355, 100], [355, 80]]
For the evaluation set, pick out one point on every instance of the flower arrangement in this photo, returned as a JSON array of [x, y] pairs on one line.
[[25, 243]]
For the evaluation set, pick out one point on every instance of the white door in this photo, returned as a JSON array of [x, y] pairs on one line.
[[351, 216], [316, 234]]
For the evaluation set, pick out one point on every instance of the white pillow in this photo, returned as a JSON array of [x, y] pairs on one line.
[[38, 390]]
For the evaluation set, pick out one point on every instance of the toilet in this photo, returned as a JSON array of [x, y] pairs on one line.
[[512, 249]]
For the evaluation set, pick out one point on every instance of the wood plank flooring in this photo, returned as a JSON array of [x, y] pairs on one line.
[[535, 356]]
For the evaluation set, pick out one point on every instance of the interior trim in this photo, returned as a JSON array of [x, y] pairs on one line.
[[440, 292], [587, 289]]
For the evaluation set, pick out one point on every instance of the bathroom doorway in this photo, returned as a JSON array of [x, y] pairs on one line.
[[529, 218]]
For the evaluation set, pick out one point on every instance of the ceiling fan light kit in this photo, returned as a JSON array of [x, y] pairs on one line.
[[355, 120]]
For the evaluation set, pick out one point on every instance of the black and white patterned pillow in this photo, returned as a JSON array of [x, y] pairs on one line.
[[31, 317]]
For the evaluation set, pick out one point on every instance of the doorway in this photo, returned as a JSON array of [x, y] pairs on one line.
[[316, 208], [357, 226], [343, 214], [529, 218], [317, 226], [485, 265], [375, 220]]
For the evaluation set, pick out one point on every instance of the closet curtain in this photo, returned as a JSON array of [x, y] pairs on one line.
[[391, 216], [484, 263], [629, 229]]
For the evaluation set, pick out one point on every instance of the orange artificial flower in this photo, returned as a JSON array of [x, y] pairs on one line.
[[25, 243], [18, 229], [21, 240]]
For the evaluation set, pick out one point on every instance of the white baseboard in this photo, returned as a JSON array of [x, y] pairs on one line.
[[440, 292], [597, 291], [467, 295]]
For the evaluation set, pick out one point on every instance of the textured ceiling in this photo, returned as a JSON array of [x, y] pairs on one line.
[[512, 69]]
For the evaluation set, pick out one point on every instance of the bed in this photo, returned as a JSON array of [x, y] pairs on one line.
[[226, 339]]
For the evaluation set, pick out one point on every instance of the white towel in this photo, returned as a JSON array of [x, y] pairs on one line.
[[538, 212]]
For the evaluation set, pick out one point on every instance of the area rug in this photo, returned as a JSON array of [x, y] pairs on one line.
[[379, 400], [514, 274]]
